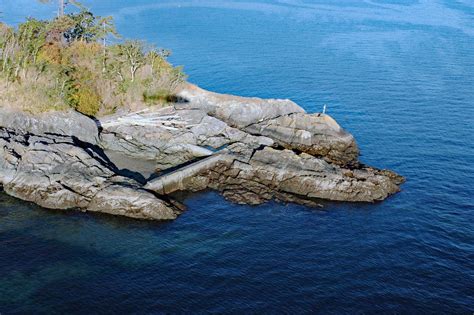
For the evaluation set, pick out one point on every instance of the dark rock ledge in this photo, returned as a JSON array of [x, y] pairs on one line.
[[251, 150]]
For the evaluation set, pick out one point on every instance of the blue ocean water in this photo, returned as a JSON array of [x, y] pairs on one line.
[[398, 74]]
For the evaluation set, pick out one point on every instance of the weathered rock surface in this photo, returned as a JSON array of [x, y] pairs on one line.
[[318, 135], [256, 176], [287, 155], [170, 136], [64, 172], [238, 112], [251, 150], [69, 123]]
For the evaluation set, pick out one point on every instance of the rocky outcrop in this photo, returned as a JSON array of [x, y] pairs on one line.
[[171, 136], [317, 135], [63, 172], [249, 149], [257, 154], [68, 123], [238, 112], [255, 176]]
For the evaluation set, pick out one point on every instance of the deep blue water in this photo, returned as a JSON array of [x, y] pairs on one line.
[[398, 74]]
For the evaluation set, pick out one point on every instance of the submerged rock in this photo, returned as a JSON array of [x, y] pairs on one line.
[[249, 149]]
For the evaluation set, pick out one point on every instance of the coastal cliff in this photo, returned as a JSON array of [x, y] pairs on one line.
[[251, 150]]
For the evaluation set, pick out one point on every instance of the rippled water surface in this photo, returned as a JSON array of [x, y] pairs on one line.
[[398, 74]]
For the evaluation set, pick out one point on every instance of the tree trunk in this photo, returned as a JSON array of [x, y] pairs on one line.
[[133, 69], [61, 8]]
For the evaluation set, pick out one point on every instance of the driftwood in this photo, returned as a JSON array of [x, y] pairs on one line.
[[145, 118]]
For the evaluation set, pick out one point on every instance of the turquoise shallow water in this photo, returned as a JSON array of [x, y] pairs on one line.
[[397, 74]]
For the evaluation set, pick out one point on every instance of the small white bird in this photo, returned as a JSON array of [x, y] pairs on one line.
[[324, 109]]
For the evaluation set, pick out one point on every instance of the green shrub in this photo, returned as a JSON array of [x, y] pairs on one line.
[[159, 97], [85, 100]]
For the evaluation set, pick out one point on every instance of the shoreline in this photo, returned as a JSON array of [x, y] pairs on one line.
[[251, 150]]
